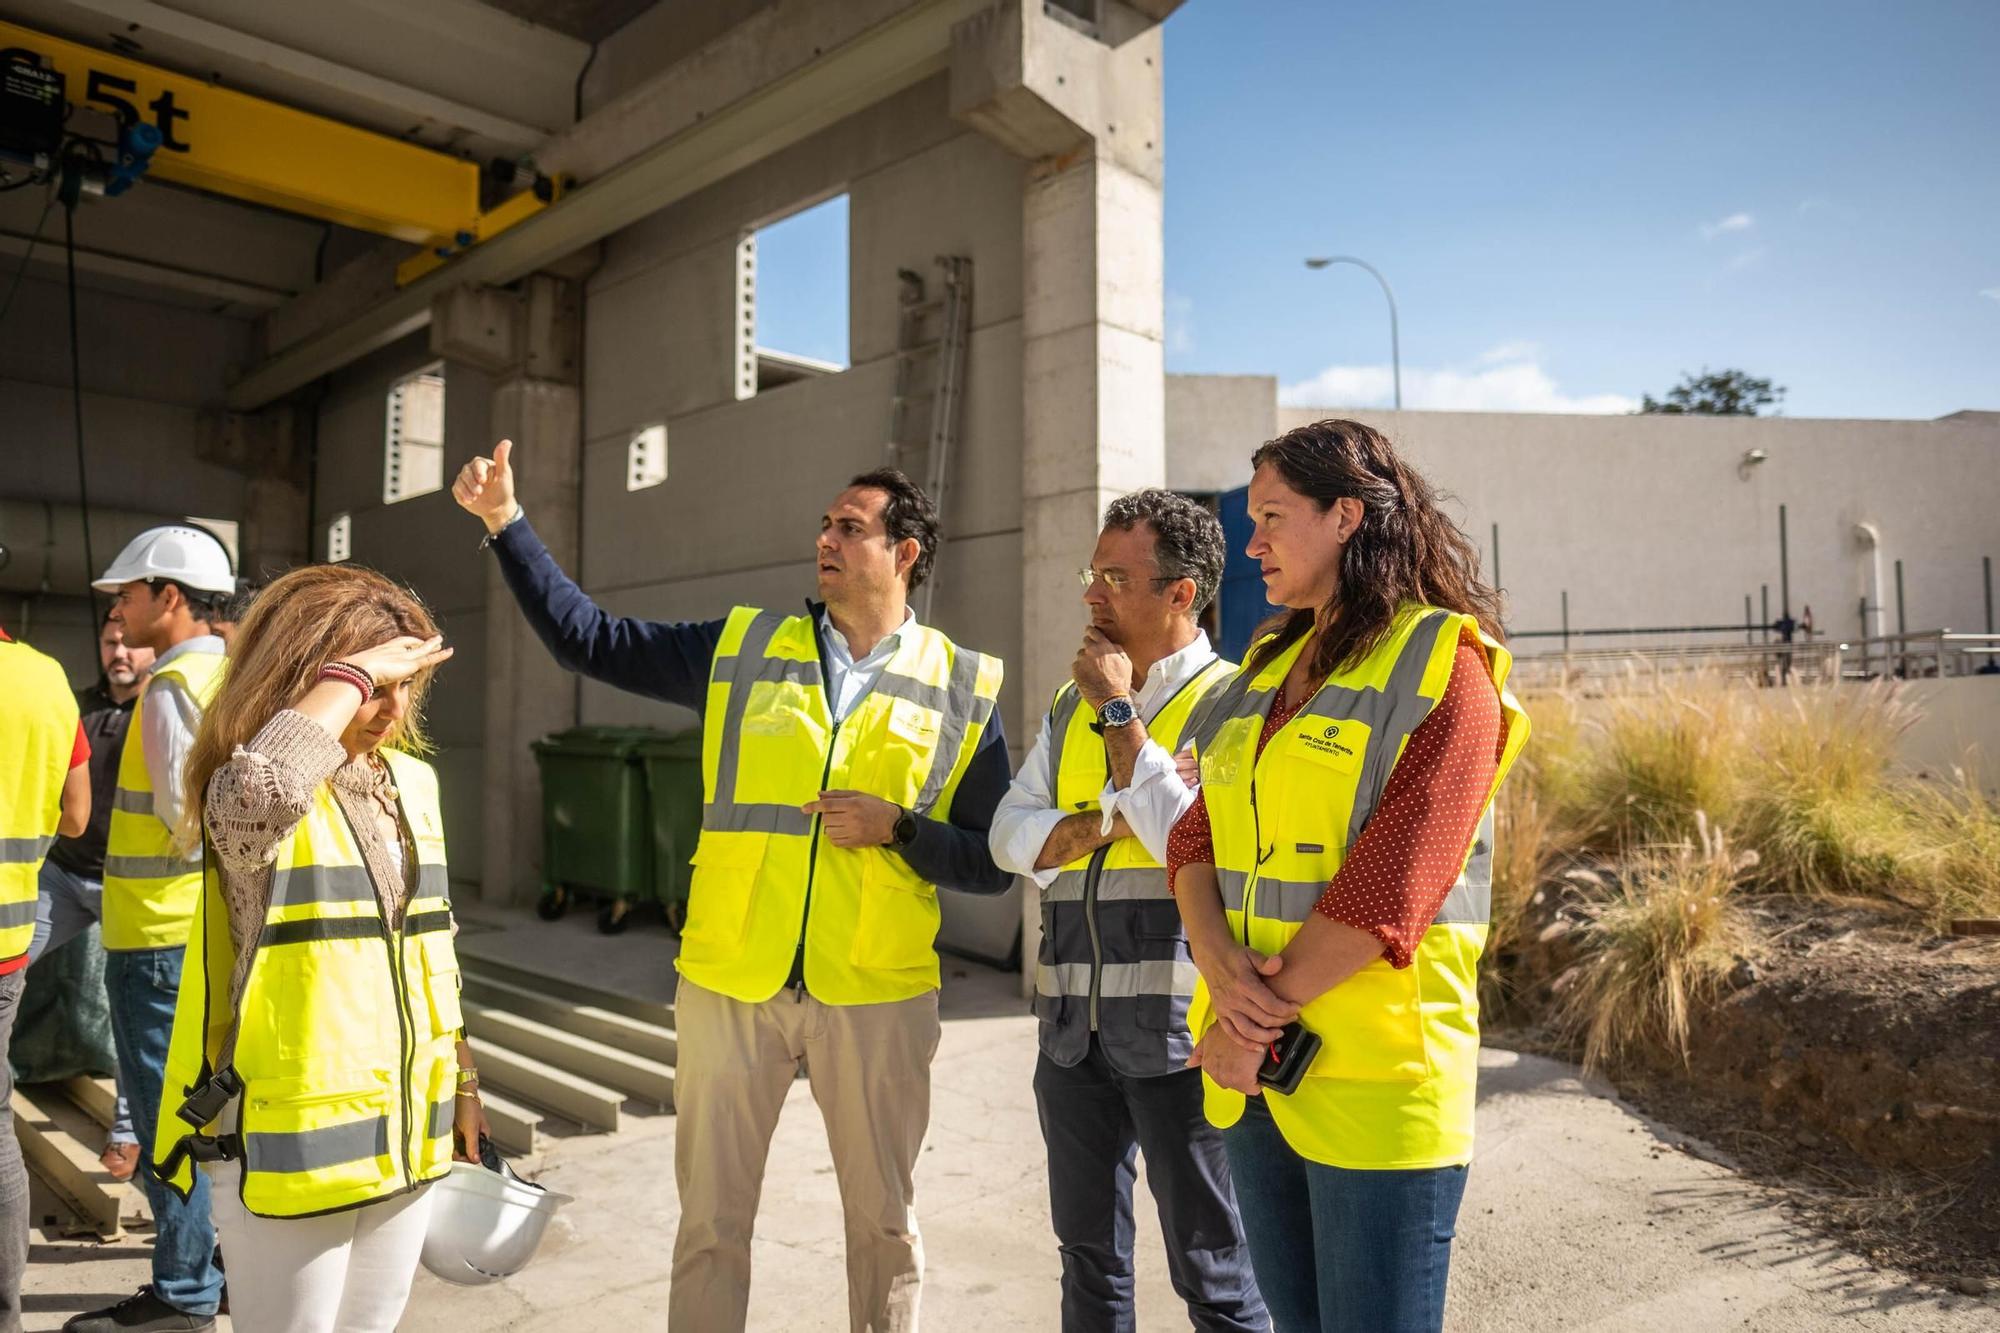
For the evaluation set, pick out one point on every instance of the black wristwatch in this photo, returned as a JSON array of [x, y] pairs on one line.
[[905, 832]]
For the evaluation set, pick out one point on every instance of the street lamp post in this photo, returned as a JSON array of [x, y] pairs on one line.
[[1395, 340]]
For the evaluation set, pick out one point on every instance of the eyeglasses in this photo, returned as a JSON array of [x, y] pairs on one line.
[[1115, 581]]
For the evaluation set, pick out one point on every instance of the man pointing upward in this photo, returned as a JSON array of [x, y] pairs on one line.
[[851, 763]]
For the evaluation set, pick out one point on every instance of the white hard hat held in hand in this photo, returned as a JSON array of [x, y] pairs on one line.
[[189, 556], [486, 1222]]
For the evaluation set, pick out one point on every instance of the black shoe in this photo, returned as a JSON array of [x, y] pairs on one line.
[[141, 1312]]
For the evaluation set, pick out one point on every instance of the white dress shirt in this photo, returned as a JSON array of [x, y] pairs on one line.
[[849, 681], [167, 725], [1155, 800]]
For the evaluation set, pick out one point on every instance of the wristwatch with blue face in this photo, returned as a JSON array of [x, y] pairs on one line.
[[1117, 712]]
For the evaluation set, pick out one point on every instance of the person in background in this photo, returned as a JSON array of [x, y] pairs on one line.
[[44, 793], [72, 879], [168, 584], [1337, 868], [232, 610], [320, 969], [1087, 819]]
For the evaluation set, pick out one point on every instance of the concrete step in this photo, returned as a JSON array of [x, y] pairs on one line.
[[647, 1040], [95, 1097], [646, 1011], [60, 1144], [513, 1124], [636, 1076], [590, 1104]]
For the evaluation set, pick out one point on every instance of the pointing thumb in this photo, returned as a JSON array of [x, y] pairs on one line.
[[1269, 966], [501, 452]]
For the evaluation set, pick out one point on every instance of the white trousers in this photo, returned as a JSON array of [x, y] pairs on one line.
[[347, 1272]]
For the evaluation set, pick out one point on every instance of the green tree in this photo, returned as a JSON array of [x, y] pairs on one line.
[[1717, 393]]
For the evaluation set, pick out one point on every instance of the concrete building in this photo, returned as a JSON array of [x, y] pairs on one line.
[[1671, 521], [273, 373]]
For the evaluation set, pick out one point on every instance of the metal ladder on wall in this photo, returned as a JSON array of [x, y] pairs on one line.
[[943, 347]]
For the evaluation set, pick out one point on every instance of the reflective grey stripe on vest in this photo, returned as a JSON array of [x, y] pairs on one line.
[[18, 851], [442, 1118], [896, 685], [962, 708], [755, 817], [132, 802], [13, 915], [1232, 884], [741, 671], [1132, 884], [312, 1149], [295, 885], [1117, 980], [745, 670], [1408, 708], [151, 867], [1471, 899], [1060, 715]]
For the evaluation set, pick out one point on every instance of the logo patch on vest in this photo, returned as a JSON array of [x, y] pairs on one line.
[[1336, 744]]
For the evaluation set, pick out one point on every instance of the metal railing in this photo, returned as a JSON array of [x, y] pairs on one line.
[[1925, 655]]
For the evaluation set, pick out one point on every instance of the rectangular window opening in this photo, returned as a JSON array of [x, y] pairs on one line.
[[413, 436], [792, 295]]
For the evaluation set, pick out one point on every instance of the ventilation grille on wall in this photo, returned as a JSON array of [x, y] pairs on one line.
[[339, 538], [746, 317], [413, 440], [646, 459]]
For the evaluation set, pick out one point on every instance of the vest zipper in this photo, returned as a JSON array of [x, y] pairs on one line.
[[405, 1028], [1090, 878], [1250, 880], [812, 865]]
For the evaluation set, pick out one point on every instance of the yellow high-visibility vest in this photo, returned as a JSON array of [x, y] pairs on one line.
[[346, 1030], [150, 888], [1114, 959], [1394, 1082], [763, 871], [37, 736]]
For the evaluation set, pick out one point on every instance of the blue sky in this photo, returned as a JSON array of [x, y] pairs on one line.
[[1574, 202]]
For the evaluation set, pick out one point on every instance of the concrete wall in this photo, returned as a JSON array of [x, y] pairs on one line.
[[149, 370], [735, 520], [427, 543], [1654, 520]]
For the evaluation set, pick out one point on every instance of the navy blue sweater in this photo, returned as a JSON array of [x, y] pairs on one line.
[[670, 661]]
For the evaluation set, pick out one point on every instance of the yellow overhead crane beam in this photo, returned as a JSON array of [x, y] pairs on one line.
[[230, 143]]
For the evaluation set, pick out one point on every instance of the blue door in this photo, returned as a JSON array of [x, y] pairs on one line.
[[1240, 605]]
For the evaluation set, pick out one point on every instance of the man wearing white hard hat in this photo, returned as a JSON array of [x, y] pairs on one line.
[[169, 584]]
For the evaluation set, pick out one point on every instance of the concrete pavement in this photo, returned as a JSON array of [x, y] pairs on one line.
[[1577, 1216]]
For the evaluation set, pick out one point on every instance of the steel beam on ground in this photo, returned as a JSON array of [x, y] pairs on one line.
[[646, 1011], [57, 1144], [512, 1124], [95, 1097]]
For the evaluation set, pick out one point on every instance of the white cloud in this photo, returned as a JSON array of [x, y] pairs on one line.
[[1180, 324], [1734, 222], [1748, 259], [1993, 292], [1516, 384]]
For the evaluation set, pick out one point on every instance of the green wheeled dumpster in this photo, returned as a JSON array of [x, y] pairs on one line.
[[673, 788], [596, 836]]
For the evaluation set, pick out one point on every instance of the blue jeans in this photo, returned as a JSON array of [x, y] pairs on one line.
[[143, 984], [64, 908], [1342, 1251]]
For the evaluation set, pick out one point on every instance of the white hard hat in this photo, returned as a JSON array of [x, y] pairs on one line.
[[186, 555], [486, 1224]]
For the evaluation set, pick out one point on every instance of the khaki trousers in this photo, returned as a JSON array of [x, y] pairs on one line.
[[870, 1067]]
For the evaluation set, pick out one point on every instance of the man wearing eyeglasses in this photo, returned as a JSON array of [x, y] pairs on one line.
[[1087, 819]]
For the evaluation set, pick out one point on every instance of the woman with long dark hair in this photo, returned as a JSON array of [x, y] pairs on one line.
[[1335, 878]]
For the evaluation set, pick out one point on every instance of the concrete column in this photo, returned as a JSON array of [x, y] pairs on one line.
[[529, 342], [1085, 108], [269, 448]]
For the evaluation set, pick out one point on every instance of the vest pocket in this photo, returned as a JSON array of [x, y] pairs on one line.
[[327, 1133], [442, 982], [898, 922], [725, 878], [1372, 1028]]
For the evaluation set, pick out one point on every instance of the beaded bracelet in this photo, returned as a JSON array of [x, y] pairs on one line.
[[353, 675]]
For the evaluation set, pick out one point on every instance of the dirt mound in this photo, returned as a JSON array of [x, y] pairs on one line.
[[1856, 1061]]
